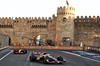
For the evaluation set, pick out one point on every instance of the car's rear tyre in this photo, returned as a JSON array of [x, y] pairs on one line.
[[14, 52], [25, 51], [32, 58]]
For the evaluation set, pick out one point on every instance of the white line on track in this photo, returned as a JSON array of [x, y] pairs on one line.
[[81, 56], [27, 59], [6, 55]]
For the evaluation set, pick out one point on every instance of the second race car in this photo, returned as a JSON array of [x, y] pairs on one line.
[[20, 51], [45, 58]]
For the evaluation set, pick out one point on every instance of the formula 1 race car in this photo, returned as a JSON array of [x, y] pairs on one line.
[[45, 58], [20, 51]]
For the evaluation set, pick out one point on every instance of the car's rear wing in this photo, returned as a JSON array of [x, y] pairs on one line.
[[36, 53]]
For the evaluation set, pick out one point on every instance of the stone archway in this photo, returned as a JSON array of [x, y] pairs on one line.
[[66, 41], [96, 41], [39, 41], [9, 41]]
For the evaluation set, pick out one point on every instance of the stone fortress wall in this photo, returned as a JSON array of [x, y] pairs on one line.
[[65, 23], [56, 28], [29, 27], [87, 30]]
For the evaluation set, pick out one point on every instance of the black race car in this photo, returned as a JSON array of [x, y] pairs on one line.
[[45, 58], [20, 51]]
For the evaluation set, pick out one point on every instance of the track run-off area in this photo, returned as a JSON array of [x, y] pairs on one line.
[[73, 58]]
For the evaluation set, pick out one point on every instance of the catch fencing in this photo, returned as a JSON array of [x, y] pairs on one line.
[[94, 48]]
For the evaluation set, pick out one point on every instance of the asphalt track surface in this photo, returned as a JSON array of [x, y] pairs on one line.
[[7, 58]]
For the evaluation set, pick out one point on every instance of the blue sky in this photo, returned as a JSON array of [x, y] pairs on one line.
[[46, 8]]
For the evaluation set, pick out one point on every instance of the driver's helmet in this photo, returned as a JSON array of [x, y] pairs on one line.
[[44, 53]]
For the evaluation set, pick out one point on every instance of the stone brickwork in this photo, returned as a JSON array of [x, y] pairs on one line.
[[54, 28], [86, 29], [61, 28], [65, 23]]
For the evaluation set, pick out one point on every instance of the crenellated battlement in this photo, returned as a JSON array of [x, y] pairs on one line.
[[6, 18], [65, 11], [64, 8], [39, 18], [25, 18], [87, 17], [10, 22]]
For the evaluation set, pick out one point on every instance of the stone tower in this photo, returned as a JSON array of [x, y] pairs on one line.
[[65, 24]]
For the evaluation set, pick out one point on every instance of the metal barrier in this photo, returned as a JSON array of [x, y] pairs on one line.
[[93, 48], [4, 48], [4, 41]]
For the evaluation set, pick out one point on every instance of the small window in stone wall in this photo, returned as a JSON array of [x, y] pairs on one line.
[[42, 26], [1, 25], [47, 20], [15, 21], [27, 21], [84, 20], [75, 20], [64, 19], [35, 25], [4, 25], [95, 20], [11, 25], [32, 26], [30, 21], [88, 21], [79, 20]]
